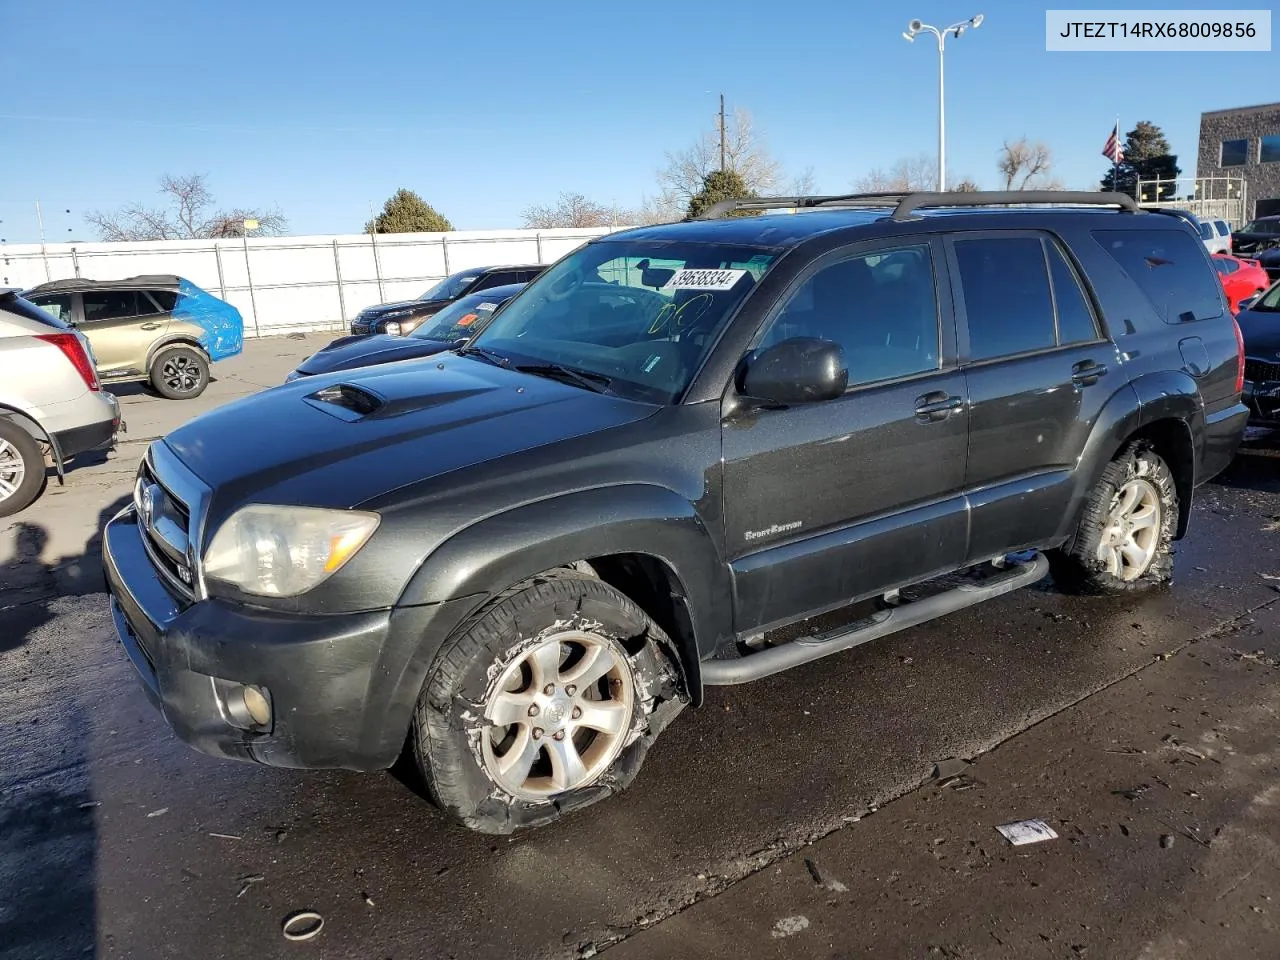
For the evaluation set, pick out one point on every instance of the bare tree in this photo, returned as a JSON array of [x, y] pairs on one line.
[[908, 173], [573, 210], [185, 215], [745, 153], [1025, 166]]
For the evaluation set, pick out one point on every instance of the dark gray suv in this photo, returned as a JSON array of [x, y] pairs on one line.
[[690, 454]]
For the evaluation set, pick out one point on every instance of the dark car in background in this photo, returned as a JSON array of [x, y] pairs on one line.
[[1260, 240], [453, 325], [1259, 321], [399, 319]]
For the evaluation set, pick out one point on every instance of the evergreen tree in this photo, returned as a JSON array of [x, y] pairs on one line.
[[721, 185], [1147, 156], [406, 212]]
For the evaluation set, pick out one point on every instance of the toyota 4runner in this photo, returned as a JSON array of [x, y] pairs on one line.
[[690, 454]]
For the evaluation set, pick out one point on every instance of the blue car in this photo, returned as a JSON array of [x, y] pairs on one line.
[[163, 330]]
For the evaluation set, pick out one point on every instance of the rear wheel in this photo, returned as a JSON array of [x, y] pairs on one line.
[[1124, 540], [22, 474], [179, 373], [546, 702]]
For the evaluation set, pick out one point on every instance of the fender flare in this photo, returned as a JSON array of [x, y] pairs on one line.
[[490, 555], [32, 426], [174, 340]]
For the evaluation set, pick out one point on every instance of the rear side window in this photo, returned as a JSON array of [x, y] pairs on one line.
[[1223, 229], [1168, 266], [112, 305], [1206, 231], [1007, 302], [1075, 317]]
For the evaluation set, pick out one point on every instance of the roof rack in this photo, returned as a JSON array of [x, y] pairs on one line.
[[906, 204], [142, 280]]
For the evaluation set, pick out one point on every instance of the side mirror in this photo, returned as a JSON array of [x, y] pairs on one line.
[[799, 370]]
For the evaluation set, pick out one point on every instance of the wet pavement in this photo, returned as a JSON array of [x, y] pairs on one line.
[[118, 841]]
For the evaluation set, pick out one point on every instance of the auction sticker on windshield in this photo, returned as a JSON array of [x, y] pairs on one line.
[[688, 279]]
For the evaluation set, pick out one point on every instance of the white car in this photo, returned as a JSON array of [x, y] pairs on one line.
[[49, 398], [1216, 235]]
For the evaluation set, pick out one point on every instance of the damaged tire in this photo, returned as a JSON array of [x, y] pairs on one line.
[[1124, 541], [545, 702]]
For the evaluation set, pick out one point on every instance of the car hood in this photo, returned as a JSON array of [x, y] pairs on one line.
[[1261, 332], [414, 305], [339, 440], [347, 352]]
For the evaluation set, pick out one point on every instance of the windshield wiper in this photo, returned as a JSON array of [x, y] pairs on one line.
[[497, 359], [587, 379]]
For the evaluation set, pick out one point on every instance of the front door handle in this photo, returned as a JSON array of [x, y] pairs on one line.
[[153, 325], [937, 406], [1087, 372]]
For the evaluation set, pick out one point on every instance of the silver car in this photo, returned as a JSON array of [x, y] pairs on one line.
[[50, 399]]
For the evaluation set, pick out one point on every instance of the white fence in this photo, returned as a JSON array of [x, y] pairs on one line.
[[288, 284]]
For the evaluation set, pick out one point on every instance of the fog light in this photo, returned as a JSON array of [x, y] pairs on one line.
[[257, 706]]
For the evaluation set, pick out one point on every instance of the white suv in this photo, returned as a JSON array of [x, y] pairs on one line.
[[1216, 235], [49, 397]]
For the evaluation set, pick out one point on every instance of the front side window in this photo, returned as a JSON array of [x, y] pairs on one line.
[[1007, 302], [881, 308], [1269, 302], [1167, 266], [58, 304], [111, 305], [1225, 267], [1262, 226], [1235, 153], [1223, 229], [631, 317]]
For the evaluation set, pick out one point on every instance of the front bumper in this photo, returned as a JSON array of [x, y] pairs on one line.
[[342, 687], [1263, 400]]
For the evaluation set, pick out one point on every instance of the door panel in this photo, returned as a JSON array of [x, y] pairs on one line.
[[1038, 376], [121, 325], [837, 501], [830, 502]]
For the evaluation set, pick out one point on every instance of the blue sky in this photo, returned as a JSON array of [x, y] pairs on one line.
[[324, 108]]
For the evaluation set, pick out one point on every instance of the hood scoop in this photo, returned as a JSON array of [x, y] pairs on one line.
[[347, 401]]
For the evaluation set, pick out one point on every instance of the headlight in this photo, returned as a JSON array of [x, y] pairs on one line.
[[393, 329], [277, 551]]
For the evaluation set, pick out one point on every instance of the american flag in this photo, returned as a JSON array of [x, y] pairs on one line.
[[1113, 151]]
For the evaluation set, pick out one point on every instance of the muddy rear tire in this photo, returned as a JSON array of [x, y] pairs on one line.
[[545, 702], [1124, 541]]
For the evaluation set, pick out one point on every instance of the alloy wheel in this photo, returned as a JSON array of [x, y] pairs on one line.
[[1132, 534], [13, 469]]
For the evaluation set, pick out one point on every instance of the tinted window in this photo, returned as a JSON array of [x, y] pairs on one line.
[[1262, 226], [59, 304], [1234, 153], [25, 308], [1168, 266], [165, 299], [880, 308], [112, 305], [451, 286], [1223, 229], [1006, 296], [1225, 267], [1206, 231], [1075, 318], [1269, 149]]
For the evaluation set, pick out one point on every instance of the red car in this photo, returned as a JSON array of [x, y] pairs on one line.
[[1240, 278]]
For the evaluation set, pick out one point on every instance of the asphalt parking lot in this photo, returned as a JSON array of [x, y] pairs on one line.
[[798, 816]]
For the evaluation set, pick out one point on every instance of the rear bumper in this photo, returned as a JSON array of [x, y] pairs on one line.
[[1223, 432], [342, 687], [92, 436]]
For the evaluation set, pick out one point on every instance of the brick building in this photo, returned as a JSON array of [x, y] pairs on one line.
[[1244, 142]]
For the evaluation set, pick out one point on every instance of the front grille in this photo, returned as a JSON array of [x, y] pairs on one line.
[[167, 530], [1259, 371]]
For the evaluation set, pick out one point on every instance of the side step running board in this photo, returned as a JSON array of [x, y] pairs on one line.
[[754, 666]]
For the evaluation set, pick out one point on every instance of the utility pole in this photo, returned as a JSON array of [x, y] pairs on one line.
[[722, 133], [43, 253]]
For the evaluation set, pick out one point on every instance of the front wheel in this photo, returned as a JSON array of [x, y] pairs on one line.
[[1124, 541], [180, 373], [546, 702]]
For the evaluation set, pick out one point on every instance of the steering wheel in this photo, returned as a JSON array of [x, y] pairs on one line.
[[566, 286]]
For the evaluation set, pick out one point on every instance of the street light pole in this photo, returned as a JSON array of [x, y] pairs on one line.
[[916, 27]]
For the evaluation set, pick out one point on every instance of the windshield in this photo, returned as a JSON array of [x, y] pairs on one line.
[[637, 315], [1269, 302], [1262, 226], [462, 318], [451, 286]]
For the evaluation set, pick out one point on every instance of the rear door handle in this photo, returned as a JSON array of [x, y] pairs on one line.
[[1087, 372], [153, 325], [937, 406]]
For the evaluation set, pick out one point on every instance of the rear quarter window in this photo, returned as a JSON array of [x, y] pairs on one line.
[[166, 300], [1169, 267]]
